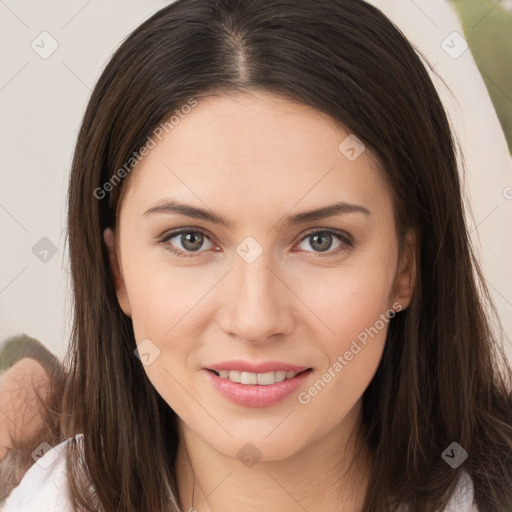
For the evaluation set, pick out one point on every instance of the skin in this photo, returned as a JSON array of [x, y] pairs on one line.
[[19, 412], [255, 159]]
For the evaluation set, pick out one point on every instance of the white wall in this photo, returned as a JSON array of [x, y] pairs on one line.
[[42, 101]]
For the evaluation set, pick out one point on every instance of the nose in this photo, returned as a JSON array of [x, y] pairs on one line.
[[259, 304]]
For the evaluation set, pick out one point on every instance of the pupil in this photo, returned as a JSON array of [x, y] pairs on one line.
[[189, 238], [325, 237]]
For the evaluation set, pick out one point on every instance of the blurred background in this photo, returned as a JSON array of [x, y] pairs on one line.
[[487, 27], [54, 52]]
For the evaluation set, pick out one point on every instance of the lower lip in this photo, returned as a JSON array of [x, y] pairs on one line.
[[256, 395]]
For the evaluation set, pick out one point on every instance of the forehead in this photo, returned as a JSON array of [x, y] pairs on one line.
[[257, 150]]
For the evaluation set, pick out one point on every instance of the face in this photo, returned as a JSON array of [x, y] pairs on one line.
[[269, 286]]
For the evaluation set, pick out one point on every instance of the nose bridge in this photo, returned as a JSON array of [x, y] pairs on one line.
[[256, 282], [258, 305]]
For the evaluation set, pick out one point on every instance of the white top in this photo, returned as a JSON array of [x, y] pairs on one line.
[[44, 486]]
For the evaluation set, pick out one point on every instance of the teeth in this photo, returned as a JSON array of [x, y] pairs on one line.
[[262, 379], [248, 378], [280, 376]]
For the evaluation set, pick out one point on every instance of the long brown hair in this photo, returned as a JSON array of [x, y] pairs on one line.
[[443, 376]]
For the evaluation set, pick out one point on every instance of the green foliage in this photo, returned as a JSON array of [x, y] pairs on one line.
[[17, 347], [487, 26]]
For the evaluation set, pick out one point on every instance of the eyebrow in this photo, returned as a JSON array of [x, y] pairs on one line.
[[172, 206]]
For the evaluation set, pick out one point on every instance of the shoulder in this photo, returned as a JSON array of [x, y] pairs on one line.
[[462, 498], [43, 488]]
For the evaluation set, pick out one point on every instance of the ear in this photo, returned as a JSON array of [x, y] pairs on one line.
[[122, 295], [405, 278]]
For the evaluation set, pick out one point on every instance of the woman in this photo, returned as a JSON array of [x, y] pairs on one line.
[[276, 302]]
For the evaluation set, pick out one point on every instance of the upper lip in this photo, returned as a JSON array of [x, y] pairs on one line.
[[264, 367]]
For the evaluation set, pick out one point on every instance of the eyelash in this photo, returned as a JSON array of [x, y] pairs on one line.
[[346, 240]]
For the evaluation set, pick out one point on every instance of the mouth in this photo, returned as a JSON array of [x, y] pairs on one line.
[[258, 379], [257, 389]]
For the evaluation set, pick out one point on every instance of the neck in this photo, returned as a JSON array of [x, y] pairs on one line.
[[325, 476]]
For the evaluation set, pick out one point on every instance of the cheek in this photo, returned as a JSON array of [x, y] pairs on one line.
[[350, 298], [357, 314], [354, 306], [163, 304], [163, 299], [168, 310]]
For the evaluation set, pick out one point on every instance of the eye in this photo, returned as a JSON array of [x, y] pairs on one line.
[[187, 241], [321, 242], [190, 241]]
